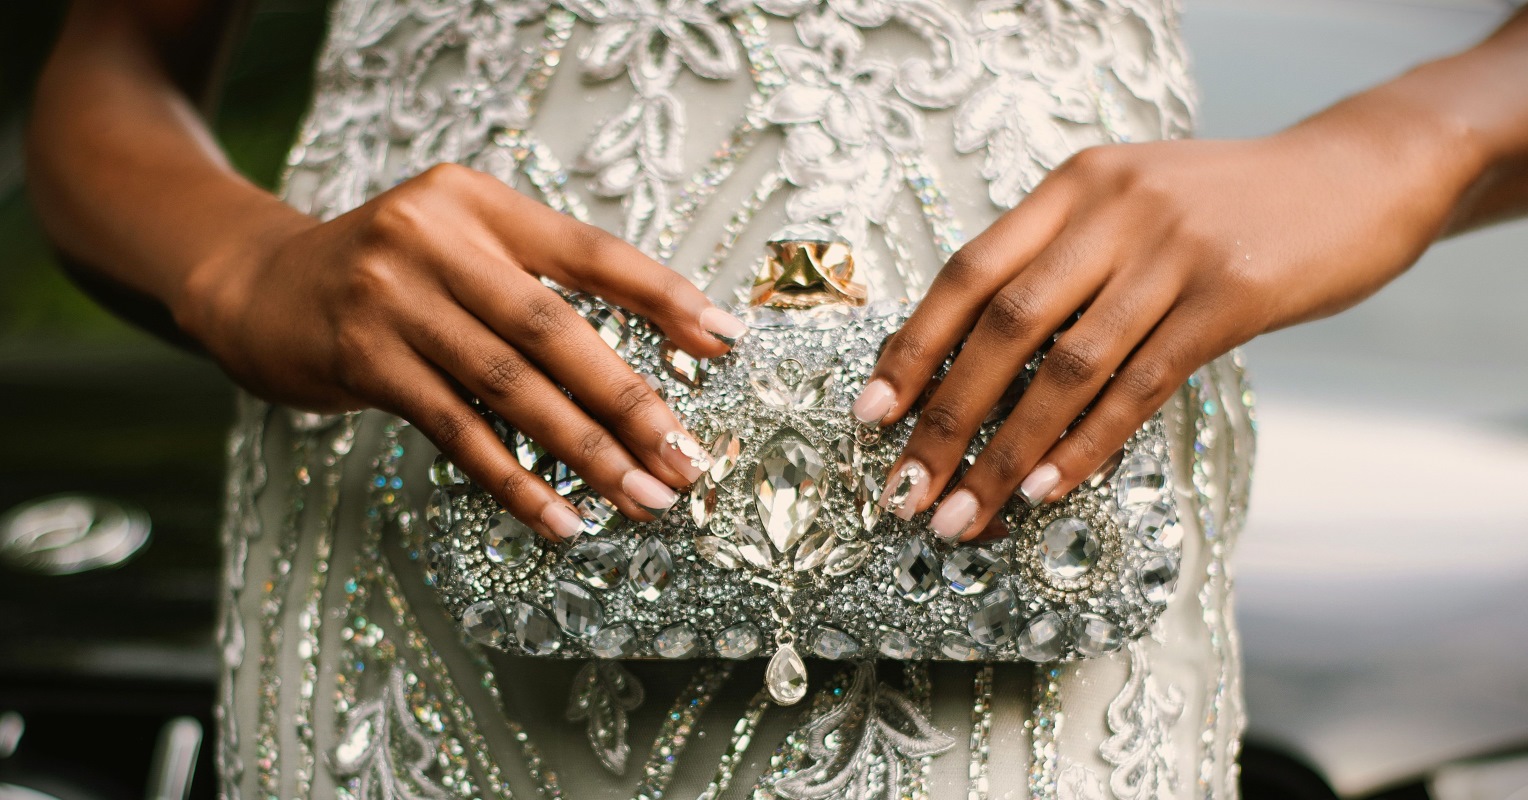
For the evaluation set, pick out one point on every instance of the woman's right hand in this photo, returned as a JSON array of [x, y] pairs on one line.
[[435, 284]]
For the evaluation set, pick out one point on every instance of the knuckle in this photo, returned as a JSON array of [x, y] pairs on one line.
[[1002, 463], [968, 265], [517, 487], [593, 446], [451, 427], [1143, 382], [503, 376], [590, 245], [906, 346], [400, 216], [941, 423], [1013, 312], [543, 318], [447, 175], [1084, 443], [1091, 161], [633, 398], [1074, 363]]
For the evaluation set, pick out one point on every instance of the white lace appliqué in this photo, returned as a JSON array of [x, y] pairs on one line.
[[1141, 748]]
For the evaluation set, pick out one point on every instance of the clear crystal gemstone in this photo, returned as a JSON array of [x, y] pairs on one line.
[[576, 610], [911, 475], [1096, 636], [1068, 548], [959, 647], [814, 550], [917, 571], [897, 644], [739, 641], [610, 324], [970, 570], [718, 551], [994, 622], [703, 501], [786, 676], [445, 473], [616, 641], [484, 622], [437, 511], [846, 558], [1106, 471], [439, 563], [867, 496], [724, 455], [687, 368], [676, 641], [835, 644], [507, 540], [599, 515], [536, 631], [597, 563], [527, 452], [1158, 527], [1158, 579], [563, 479], [651, 569], [1139, 482], [770, 389], [753, 546], [788, 488], [849, 458], [1044, 638]]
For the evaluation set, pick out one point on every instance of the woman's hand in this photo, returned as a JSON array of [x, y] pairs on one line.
[[1174, 252], [435, 285]]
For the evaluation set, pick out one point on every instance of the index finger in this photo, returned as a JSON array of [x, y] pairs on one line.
[[955, 301]]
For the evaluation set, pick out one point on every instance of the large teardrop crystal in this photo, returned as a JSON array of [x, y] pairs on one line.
[[651, 569], [753, 546], [786, 676], [788, 488], [916, 571]]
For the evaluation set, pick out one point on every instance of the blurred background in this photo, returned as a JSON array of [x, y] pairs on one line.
[[1383, 575]]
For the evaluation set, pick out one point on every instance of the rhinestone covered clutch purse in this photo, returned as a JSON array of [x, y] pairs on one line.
[[782, 547]]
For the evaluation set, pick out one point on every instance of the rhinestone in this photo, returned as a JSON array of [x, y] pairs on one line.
[[1043, 639], [835, 644], [610, 324], [438, 563], [959, 647], [788, 488], [1139, 482], [786, 676], [1096, 636], [484, 622], [703, 501], [917, 571], [527, 452], [724, 455], [849, 458], [718, 551], [535, 631], [597, 563], [970, 570], [616, 641], [676, 641], [599, 515], [437, 511], [651, 569], [739, 641], [994, 624], [1068, 548], [1102, 475], [909, 476], [1158, 579], [563, 479], [687, 368], [897, 644], [507, 540], [1158, 528], [753, 546], [576, 610], [814, 550], [445, 473], [846, 558], [867, 494], [774, 392]]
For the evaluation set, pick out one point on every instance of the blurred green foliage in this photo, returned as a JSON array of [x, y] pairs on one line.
[[265, 94]]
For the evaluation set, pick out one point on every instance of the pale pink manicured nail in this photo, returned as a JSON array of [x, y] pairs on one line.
[[874, 402], [1039, 484], [648, 492], [562, 520], [686, 455], [905, 489], [955, 514], [723, 326]]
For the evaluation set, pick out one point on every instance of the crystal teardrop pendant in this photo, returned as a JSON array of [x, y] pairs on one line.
[[785, 677]]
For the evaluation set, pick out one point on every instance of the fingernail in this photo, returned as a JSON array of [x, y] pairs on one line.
[[725, 327], [686, 455], [955, 514], [1039, 484], [648, 492], [874, 402], [905, 490], [562, 520]]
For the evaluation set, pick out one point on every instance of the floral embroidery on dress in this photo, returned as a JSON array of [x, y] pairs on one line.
[[1079, 783], [384, 751], [603, 691], [1141, 748]]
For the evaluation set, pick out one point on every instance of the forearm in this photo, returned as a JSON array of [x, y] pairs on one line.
[[124, 173]]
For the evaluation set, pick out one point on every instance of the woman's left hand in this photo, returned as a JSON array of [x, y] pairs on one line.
[[1174, 252]]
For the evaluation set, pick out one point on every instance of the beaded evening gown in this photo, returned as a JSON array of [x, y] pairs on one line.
[[695, 129]]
